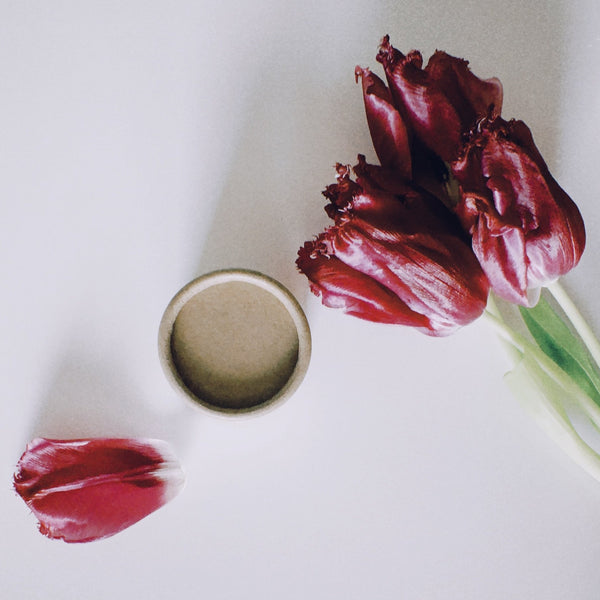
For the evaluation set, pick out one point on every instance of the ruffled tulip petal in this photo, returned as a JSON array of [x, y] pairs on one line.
[[471, 97], [342, 287], [388, 131], [526, 230], [572, 240], [441, 101], [502, 253], [425, 271], [386, 246], [90, 489]]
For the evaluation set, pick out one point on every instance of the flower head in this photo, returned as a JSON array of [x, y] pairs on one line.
[[441, 101], [526, 230], [89, 489], [393, 258]]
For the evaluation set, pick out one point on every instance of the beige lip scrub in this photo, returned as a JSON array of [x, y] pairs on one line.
[[235, 341]]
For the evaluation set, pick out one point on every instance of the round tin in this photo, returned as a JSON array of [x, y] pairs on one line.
[[234, 341]]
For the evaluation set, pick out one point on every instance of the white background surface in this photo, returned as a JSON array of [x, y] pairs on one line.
[[144, 143]]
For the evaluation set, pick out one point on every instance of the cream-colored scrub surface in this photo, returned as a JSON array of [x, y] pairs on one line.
[[234, 345]]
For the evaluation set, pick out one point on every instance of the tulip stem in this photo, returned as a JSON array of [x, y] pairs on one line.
[[522, 346], [579, 323], [550, 409]]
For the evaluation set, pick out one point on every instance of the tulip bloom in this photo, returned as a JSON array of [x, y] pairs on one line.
[[89, 489], [440, 102], [393, 259], [526, 230]]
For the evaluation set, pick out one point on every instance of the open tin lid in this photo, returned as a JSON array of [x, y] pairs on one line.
[[234, 341]]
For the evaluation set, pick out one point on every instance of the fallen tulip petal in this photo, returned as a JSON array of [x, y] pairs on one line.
[[89, 489]]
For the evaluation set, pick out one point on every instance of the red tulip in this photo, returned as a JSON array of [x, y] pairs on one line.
[[89, 489], [526, 230], [393, 259], [440, 102]]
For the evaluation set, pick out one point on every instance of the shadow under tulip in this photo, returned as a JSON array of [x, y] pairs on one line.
[[89, 397]]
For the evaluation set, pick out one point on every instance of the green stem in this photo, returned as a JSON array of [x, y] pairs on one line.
[[579, 323], [549, 410], [522, 345]]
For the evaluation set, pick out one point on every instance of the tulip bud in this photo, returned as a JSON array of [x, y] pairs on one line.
[[526, 230], [89, 489], [441, 101], [393, 259]]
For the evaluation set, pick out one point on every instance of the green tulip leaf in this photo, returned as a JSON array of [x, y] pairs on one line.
[[544, 400], [561, 345]]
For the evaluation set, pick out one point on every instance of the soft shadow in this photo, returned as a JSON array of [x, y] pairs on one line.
[[92, 397], [271, 201], [529, 47]]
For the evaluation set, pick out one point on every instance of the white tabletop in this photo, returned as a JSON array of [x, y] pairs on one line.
[[146, 143]]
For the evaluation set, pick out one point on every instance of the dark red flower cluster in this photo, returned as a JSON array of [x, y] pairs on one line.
[[404, 248]]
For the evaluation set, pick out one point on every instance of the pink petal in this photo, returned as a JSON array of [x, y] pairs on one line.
[[89, 489]]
